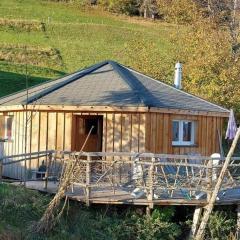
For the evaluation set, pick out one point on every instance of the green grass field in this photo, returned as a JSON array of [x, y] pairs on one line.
[[82, 37]]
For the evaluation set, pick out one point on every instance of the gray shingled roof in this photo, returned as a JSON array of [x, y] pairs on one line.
[[110, 84]]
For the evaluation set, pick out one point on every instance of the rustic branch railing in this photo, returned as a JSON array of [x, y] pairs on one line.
[[141, 175]]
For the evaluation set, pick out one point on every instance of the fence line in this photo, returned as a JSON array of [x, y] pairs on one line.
[[142, 175]]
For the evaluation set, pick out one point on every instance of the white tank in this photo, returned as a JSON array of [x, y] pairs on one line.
[[178, 75]]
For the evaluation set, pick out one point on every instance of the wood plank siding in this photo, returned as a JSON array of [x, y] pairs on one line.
[[159, 134], [121, 131]]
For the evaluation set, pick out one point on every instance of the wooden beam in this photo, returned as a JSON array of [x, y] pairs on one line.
[[111, 109], [189, 112], [73, 108], [209, 207]]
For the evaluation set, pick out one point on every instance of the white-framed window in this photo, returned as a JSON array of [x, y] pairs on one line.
[[6, 123], [183, 132]]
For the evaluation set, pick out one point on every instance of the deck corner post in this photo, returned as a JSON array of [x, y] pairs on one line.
[[88, 180]]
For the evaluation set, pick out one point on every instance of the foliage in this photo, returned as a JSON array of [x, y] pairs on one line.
[[22, 25], [209, 69], [158, 226], [37, 56], [178, 11], [129, 7], [220, 226], [151, 60], [80, 222]]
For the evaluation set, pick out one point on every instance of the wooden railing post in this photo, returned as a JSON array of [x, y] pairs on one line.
[[48, 164], [88, 180], [209, 178], [1, 169], [151, 183]]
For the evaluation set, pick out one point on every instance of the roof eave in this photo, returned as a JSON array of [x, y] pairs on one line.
[[111, 109]]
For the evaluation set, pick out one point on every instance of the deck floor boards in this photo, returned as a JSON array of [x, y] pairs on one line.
[[106, 195]]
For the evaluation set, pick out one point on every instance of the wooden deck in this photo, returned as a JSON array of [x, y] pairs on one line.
[[106, 195], [111, 178]]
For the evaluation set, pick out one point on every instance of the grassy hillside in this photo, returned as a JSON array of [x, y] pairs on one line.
[[55, 38]]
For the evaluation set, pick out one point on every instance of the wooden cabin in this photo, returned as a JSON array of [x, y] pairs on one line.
[[130, 112]]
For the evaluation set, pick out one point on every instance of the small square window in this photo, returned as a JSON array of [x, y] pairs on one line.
[[183, 133], [6, 123]]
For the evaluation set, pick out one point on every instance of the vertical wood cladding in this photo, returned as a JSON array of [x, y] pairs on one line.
[[127, 132], [159, 134]]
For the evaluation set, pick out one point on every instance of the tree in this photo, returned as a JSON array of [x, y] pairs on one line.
[[149, 8], [178, 11], [209, 69], [128, 7]]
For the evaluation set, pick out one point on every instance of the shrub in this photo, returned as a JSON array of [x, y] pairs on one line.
[[129, 7], [158, 226], [22, 25], [220, 226], [33, 55], [178, 11]]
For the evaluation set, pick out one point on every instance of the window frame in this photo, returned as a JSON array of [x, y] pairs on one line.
[[181, 142], [5, 137]]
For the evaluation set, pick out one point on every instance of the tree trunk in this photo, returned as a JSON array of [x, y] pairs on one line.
[[145, 13]]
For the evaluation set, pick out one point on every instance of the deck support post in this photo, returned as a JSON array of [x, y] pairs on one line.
[[196, 220], [47, 170], [238, 221], [148, 211], [88, 180]]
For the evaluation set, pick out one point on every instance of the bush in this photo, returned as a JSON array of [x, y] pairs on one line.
[[129, 7], [220, 226], [158, 226], [22, 25], [178, 11]]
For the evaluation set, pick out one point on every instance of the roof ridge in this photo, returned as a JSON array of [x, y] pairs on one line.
[[135, 84], [116, 66]]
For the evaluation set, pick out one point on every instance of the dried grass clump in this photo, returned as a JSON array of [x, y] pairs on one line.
[[33, 55], [22, 25], [8, 235], [52, 214]]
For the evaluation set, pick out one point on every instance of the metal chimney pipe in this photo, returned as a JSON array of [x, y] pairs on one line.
[[178, 75]]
